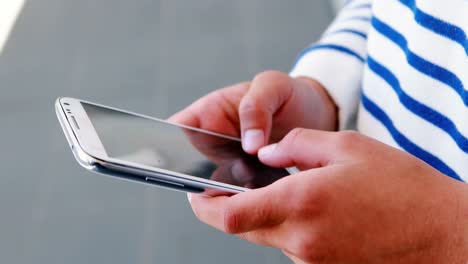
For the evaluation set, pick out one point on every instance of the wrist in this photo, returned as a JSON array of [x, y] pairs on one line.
[[329, 117]]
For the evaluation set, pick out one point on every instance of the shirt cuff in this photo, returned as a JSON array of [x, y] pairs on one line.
[[340, 74]]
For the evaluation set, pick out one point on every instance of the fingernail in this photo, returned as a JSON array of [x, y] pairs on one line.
[[253, 140], [189, 197], [267, 151]]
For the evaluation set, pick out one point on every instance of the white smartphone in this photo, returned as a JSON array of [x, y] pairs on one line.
[[140, 148]]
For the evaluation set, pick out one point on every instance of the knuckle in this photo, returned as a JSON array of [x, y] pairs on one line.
[[346, 140], [252, 115], [244, 85], [309, 248], [230, 221], [270, 75], [271, 81], [238, 89], [294, 135], [312, 200], [218, 95], [248, 105], [266, 93]]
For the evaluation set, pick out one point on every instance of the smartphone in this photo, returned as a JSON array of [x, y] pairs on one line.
[[149, 150]]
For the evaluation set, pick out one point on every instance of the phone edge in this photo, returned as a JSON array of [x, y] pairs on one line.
[[118, 170]]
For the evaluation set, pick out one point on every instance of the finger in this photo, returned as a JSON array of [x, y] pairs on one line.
[[209, 210], [263, 237], [268, 92], [243, 212], [216, 111], [185, 117], [294, 259], [279, 236], [311, 149]]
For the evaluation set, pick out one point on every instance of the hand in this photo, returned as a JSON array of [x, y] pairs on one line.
[[263, 110], [232, 165], [359, 201]]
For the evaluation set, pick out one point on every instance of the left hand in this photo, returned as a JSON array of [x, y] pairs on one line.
[[358, 201]]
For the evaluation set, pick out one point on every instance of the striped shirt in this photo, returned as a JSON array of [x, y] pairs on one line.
[[398, 72]]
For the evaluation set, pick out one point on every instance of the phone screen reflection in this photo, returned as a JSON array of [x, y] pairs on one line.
[[166, 146]]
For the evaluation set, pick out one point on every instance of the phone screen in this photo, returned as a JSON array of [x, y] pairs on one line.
[[157, 144]]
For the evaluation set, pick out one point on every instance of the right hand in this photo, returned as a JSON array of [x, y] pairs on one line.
[[262, 111]]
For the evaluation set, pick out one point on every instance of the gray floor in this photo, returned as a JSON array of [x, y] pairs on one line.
[[149, 56]]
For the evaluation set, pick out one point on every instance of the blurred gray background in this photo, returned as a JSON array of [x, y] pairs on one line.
[[149, 56]]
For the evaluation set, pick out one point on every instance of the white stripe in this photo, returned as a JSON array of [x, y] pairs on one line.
[[348, 13], [433, 47], [358, 25], [369, 126], [353, 43], [421, 87], [413, 127], [453, 11], [9, 11], [361, 27]]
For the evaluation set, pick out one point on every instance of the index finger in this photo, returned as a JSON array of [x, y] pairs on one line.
[[216, 111]]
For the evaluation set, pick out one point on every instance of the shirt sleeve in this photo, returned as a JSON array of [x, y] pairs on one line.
[[337, 59]]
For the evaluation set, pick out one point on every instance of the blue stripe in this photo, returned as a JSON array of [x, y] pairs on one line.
[[351, 31], [420, 64], [361, 6], [404, 142], [349, 2], [355, 18], [418, 108], [331, 47], [437, 25]]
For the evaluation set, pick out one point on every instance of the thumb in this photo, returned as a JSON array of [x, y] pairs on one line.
[[308, 148], [268, 92], [242, 212]]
